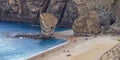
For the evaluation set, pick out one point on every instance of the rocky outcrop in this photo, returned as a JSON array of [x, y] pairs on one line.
[[48, 23], [112, 54], [87, 24]]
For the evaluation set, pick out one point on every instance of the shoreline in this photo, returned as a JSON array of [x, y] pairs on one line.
[[79, 47], [50, 50], [45, 51], [84, 48]]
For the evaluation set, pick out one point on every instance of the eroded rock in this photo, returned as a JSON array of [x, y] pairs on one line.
[[87, 24], [48, 23]]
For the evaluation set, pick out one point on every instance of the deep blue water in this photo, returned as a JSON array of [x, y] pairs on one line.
[[15, 49]]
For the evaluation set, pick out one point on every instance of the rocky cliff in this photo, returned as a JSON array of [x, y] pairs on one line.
[[29, 10], [65, 10]]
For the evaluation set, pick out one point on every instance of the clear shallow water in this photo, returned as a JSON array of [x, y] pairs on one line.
[[15, 49]]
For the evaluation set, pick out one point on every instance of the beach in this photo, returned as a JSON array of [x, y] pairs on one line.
[[79, 48]]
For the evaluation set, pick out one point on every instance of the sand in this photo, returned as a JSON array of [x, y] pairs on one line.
[[81, 48]]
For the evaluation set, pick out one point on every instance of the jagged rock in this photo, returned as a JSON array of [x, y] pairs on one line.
[[86, 24], [48, 23]]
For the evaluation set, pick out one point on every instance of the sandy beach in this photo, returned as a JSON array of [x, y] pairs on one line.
[[80, 48]]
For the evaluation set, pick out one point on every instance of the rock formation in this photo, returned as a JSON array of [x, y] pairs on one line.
[[48, 23], [87, 24]]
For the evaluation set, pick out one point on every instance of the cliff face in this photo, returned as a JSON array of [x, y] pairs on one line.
[[29, 10], [65, 10]]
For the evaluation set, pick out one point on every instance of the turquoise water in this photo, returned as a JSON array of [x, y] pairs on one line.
[[16, 49]]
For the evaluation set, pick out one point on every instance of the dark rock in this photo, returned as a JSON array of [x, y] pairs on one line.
[[70, 13], [68, 51], [86, 38], [68, 55], [64, 50]]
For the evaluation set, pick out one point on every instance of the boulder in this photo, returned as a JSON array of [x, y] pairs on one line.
[[48, 23], [87, 24]]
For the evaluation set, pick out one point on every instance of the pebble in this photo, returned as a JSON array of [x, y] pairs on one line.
[[86, 38], [68, 55], [68, 51], [64, 51]]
